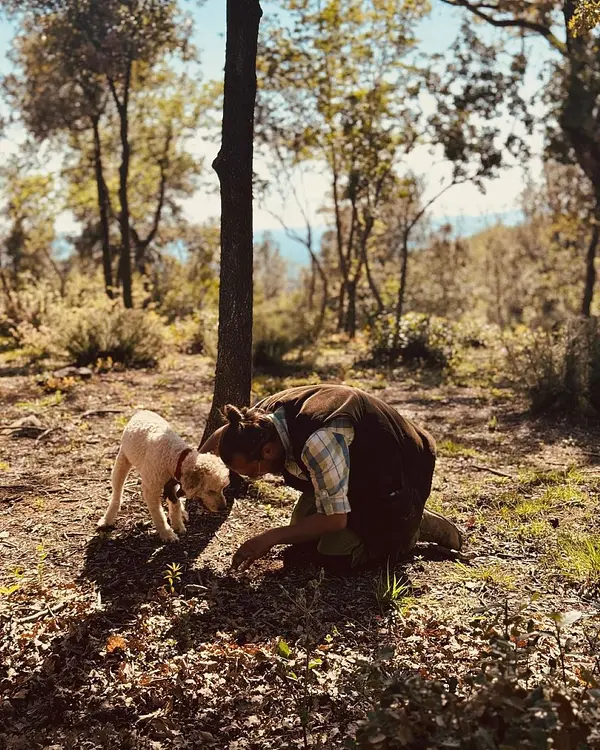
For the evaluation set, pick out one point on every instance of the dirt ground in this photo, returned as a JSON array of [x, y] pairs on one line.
[[100, 650]]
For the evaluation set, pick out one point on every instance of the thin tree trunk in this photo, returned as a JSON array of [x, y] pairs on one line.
[[590, 271], [103, 209], [365, 259], [233, 165], [401, 291], [340, 250], [351, 313], [125, 259]]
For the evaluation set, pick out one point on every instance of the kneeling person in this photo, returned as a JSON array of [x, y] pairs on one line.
[[364, 471]]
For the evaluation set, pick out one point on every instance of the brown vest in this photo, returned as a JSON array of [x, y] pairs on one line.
[[389, 453]]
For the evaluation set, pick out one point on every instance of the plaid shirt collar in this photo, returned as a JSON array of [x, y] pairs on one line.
[[278, 419]]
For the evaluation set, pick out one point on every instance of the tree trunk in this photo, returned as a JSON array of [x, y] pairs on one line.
[[125, 259], [103, 209], [590, 270], [233, 165], [401, 291], [351, 312]]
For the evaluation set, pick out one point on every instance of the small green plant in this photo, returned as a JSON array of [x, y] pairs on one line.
[[172, 576], [11, 588], [305, 603], [392, 592], [455, 450]]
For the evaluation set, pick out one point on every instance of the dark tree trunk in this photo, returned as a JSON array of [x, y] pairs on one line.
[[103, 209], [125, 258], [401, 291], [340, 251], [590, 270], [233, 165], [351, 312]]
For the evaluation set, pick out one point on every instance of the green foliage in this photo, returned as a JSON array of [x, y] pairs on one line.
[[172, 576], [586, 17], [391, 591], [132, 338], [560, 369], [279, 327], [421, 339], [580, 558]]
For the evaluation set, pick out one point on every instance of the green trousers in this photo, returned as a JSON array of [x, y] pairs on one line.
[[344, 543], [347, 544]]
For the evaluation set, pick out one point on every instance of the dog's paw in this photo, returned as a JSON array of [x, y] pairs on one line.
[[179, 527], [104, 524], [168, 536]]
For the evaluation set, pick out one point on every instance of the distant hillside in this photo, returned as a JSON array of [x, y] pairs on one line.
[[464, 226]]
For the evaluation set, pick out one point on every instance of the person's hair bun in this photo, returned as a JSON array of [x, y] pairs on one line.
[[233, 415]]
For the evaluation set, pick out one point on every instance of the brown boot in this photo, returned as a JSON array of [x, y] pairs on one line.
[[435, 528]]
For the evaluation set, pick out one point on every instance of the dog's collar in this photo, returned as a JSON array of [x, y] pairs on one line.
[[182, 456]]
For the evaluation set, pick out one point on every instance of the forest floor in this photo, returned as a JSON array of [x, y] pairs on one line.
[[99, 650]]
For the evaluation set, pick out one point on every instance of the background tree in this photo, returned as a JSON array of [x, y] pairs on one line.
[[333, 83], [573, 91], [105, 50]]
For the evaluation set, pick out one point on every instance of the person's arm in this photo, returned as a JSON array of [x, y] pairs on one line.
[[326, 455], [212, 444], [305, 530]]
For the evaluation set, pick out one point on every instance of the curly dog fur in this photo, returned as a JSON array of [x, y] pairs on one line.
[[155, 450]]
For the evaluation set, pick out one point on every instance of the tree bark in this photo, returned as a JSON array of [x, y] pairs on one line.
[[125, 259], [233, 165], [590, 270], [401, 290], [103, 209]]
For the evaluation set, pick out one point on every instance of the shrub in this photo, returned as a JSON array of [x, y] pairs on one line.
[[132, 338], [279, 327], [421, 338], [196, 334], [499, 712], [559, 368]]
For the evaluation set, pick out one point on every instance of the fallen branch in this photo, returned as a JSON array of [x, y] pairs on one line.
[[46, 611], [93, 412], [498, 473], [43, 435]]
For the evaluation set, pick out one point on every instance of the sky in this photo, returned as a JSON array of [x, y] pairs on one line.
[[436, 33]]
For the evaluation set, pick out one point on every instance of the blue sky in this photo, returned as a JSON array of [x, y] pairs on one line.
[[436, 33]]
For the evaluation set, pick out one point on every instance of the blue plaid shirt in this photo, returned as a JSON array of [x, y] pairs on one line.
[[327, 457]]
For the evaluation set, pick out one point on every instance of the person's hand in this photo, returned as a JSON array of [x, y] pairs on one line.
[[254, 548]]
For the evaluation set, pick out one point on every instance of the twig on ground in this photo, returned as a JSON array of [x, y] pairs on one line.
[[94, 412], [43, 434], [479, 467], [43, 612]]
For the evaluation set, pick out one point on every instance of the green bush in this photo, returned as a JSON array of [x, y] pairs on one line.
[[561, 368], [132, 338], [196, 334], [280, 325], [427, 340]]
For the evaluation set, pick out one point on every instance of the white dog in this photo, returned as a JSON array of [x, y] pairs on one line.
[[159, 454]]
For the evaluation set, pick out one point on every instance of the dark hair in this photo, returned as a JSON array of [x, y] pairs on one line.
[[247, 431]]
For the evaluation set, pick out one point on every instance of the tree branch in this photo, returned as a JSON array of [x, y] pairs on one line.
[[518, 23]]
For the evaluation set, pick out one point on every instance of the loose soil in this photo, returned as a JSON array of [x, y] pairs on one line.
[[100, 650]]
